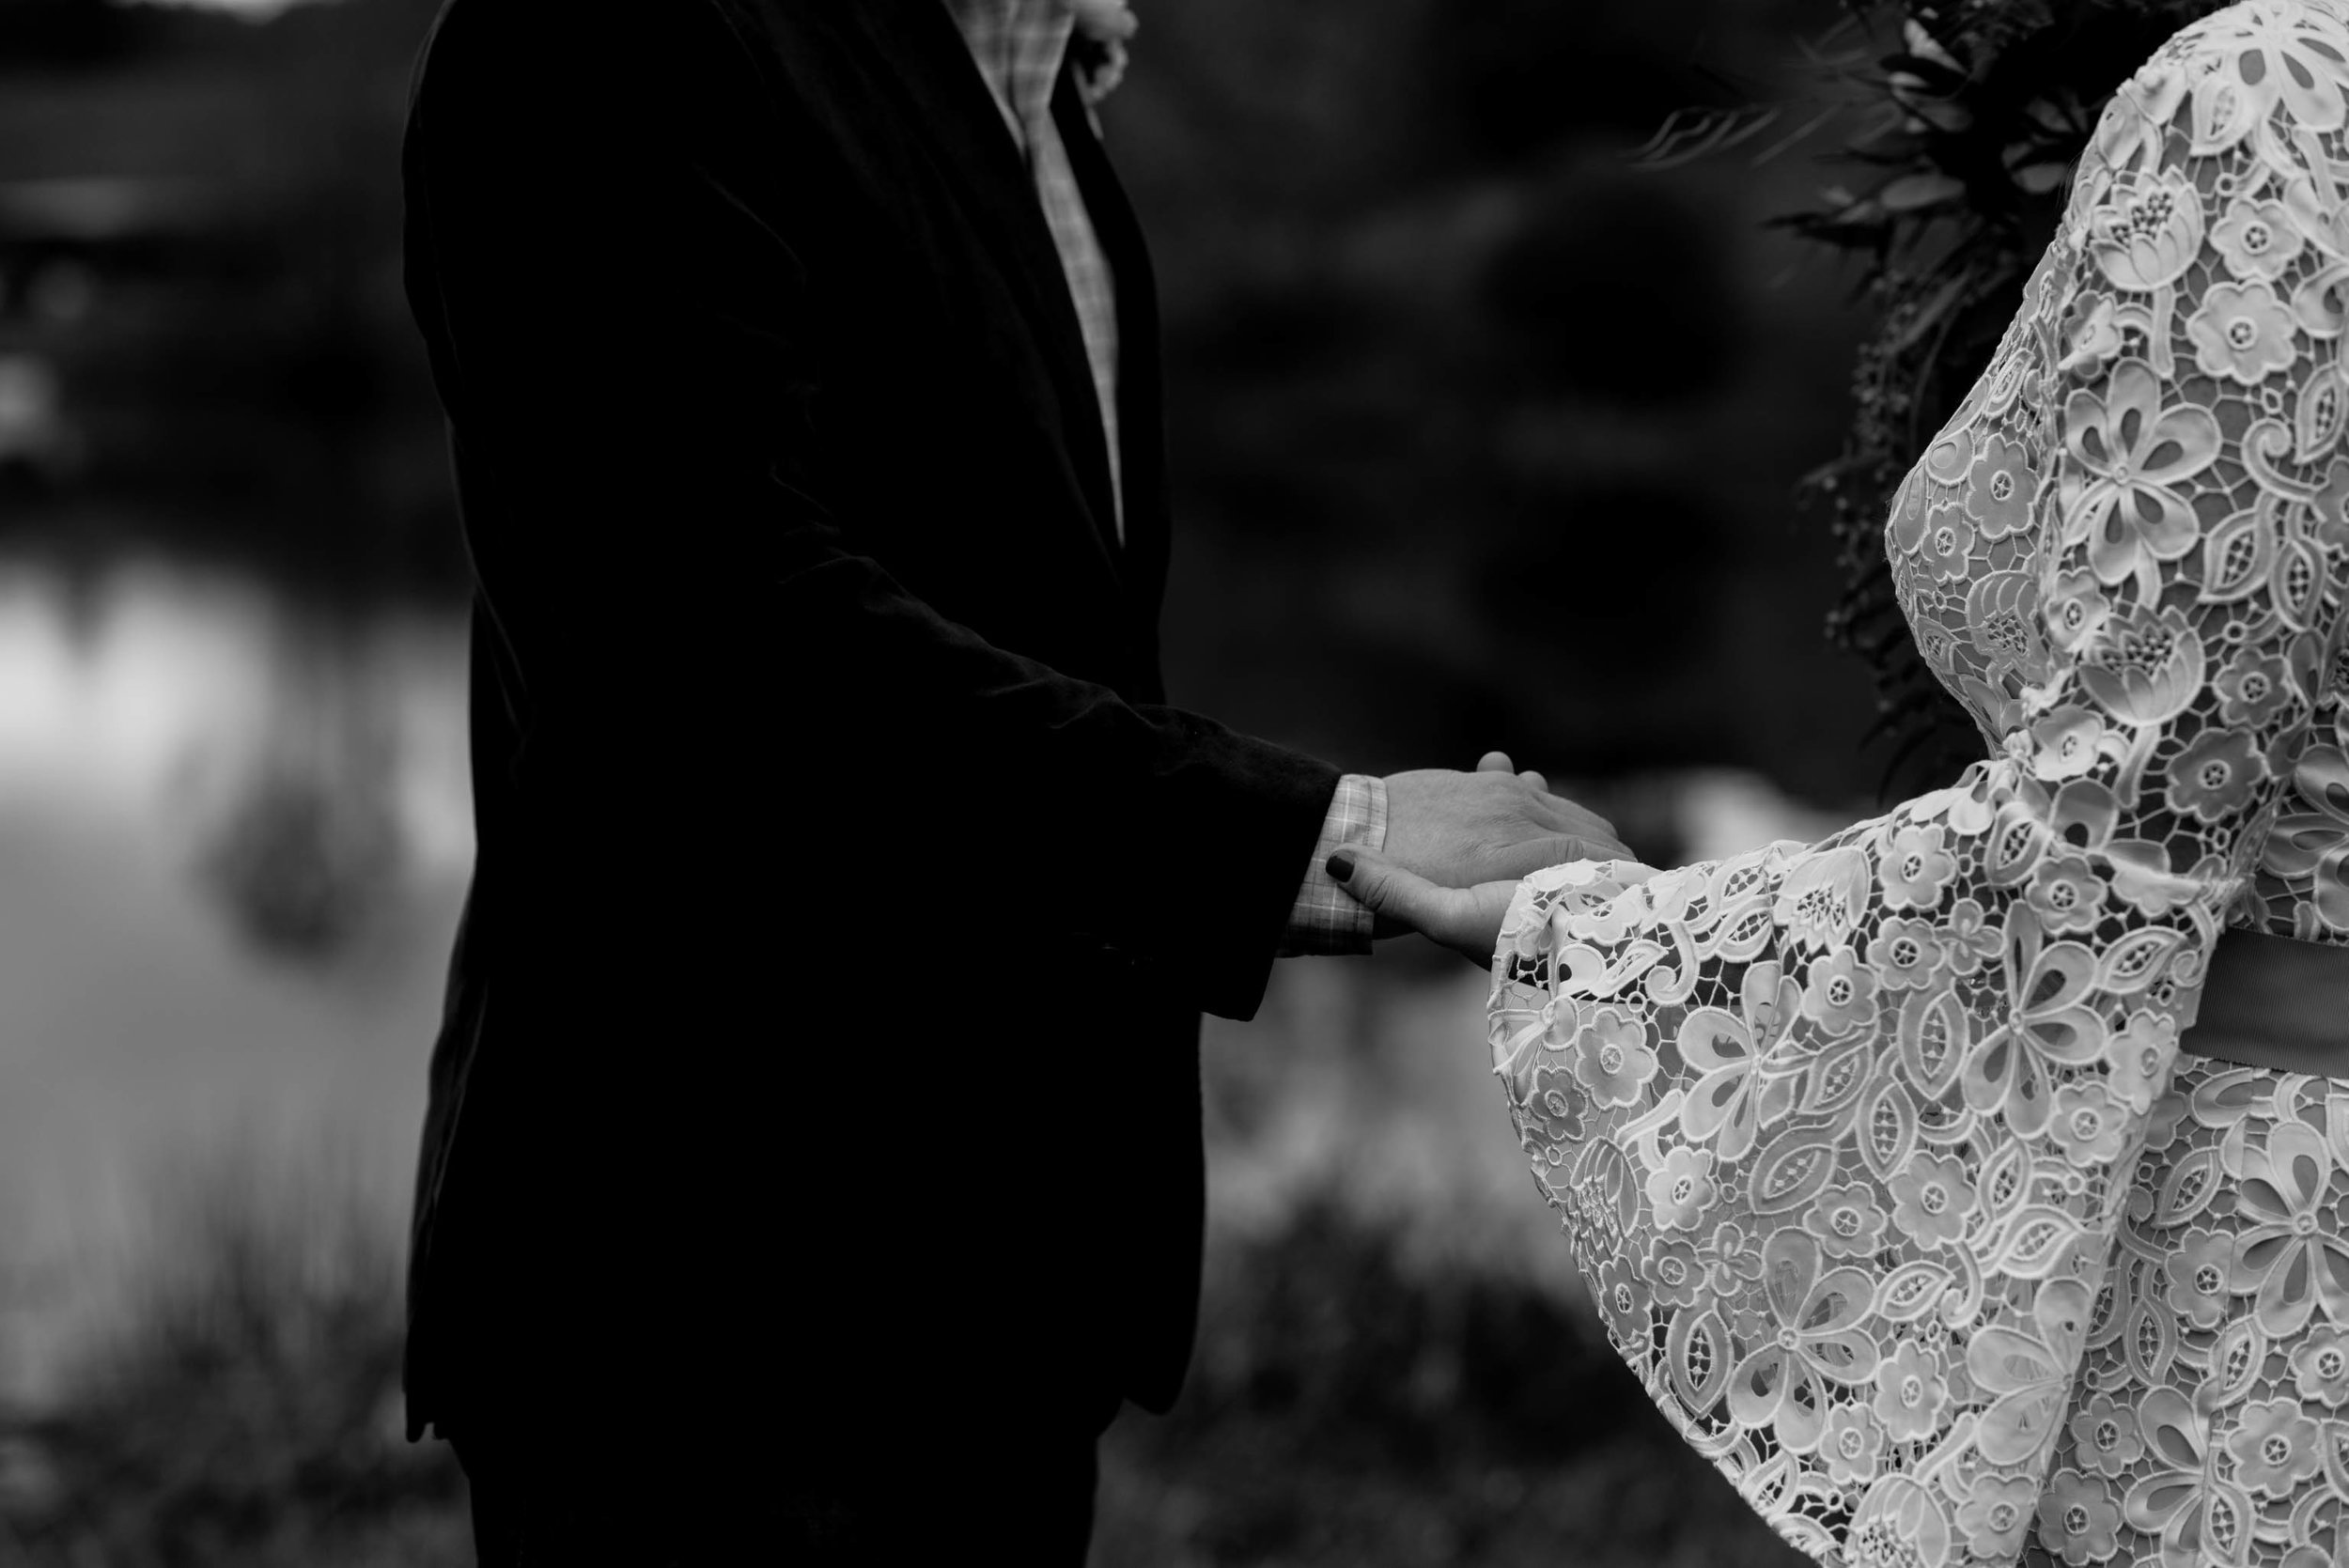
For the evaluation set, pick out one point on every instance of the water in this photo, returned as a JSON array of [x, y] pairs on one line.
[[152, 1032]]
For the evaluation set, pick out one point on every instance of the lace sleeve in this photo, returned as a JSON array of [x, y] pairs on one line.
[[1840, 1133]]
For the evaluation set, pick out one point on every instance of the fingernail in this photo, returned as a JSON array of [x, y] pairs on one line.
[[1341, 866]]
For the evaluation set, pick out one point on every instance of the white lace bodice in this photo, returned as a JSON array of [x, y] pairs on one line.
[[1842, 1133]]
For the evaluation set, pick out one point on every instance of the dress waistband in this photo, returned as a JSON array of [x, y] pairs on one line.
[[2275, 1003]]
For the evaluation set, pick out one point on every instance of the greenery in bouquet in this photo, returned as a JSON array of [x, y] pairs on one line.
[[1959, 124]]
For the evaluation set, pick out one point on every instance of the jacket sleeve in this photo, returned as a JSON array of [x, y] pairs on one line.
[[601, 252], [1840, 1133]]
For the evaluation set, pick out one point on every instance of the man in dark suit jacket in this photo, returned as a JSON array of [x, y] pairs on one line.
[[813, 1156]]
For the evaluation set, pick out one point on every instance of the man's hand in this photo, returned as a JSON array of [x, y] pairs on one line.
[[1466, 920], [1458, 830]]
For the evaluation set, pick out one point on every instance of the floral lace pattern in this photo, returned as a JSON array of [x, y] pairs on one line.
[[1848, 1136], [2205, 1422]]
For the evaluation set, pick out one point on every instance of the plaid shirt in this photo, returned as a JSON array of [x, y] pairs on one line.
[[1018, 46]]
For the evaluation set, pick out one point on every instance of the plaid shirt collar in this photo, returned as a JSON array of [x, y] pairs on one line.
[[1020, 46]]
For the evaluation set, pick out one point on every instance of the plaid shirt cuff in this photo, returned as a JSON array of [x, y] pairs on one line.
[[1326, 919]]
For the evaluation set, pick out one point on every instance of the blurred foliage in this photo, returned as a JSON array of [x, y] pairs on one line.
[[245, 1411], [306, 860], [309, 856], [1962, 121]]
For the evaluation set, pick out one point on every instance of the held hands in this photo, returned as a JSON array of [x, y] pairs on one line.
[[1456, 845]]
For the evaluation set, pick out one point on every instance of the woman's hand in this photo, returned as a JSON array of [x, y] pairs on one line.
[[1466, 920]]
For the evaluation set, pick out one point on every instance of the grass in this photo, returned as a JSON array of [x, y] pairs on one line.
[[244, 1408]]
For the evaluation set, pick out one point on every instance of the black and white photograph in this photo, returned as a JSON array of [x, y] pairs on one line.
[[1175, 783]]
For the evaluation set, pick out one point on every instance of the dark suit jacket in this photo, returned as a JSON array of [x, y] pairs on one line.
[[821, 1036]]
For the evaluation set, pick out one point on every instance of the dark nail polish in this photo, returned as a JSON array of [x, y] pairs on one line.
[[1341, 866]]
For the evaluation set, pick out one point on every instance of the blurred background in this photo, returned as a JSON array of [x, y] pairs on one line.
[[1482, 436]]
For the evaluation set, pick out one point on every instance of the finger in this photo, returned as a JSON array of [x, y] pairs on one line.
[[1535, 807], [1539, 783], [1523, 859], [1393, 894], [1561, 816], [1495, 762]]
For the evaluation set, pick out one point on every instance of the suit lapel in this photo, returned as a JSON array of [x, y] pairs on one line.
[[956, 118]]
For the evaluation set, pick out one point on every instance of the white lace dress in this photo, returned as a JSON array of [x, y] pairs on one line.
[[1872, 1149]]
